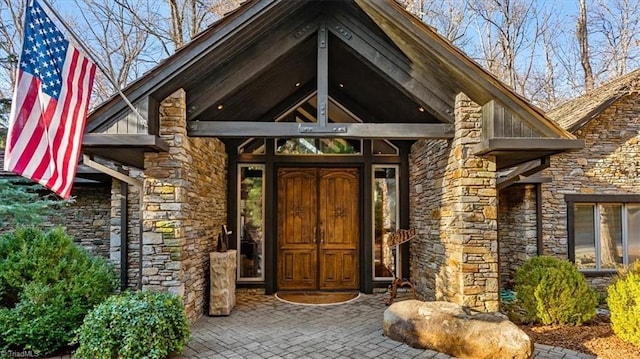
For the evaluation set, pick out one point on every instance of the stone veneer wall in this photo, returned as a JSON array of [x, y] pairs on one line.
[[454, 207], [517, 230], [184, 208], [609, 164], [86, 219]]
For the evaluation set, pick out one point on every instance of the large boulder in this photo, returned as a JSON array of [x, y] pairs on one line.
[[453, 329]]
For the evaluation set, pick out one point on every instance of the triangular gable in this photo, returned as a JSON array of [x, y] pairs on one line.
[[266, 55]]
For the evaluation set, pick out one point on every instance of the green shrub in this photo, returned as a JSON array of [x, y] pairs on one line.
[[47, 286], [624, 303], [134, 325], [553, 291]]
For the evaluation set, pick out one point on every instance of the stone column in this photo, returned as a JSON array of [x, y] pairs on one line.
[[469, 274], [223, 282]]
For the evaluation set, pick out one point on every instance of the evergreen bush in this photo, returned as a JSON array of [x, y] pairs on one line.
[[47, 285], [624, 303], [134, 325], [553, 291]]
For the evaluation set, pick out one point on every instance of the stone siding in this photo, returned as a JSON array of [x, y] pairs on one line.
[[455, 257], [609, 164], [185, 205], [86, 219], [517, 230]]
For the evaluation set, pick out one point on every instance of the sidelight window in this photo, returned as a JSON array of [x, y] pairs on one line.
[[385, 221], [251, 222]]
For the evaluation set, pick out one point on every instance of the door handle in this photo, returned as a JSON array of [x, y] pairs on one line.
[[321, 234]]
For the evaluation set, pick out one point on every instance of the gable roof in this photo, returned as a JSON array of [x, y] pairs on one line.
[[430, 58], [574, 114]]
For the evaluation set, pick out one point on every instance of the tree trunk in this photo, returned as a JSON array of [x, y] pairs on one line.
[[583, 41], [608, 235]]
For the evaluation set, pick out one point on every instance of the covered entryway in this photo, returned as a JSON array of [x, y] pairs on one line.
[[318, 228], [315, 90]]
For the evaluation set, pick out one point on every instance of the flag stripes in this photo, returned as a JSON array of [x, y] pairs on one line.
[[49, 106]]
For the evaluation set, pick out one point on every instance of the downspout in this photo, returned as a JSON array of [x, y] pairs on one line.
[[87, 160]]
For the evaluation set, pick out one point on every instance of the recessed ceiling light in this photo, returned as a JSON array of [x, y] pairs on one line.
[[421, 109], [341, 85], [297, 84], [220, 106]]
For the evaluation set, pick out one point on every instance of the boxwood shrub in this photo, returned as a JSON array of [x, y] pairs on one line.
[[47, 285], [624, 303], [553, 291], [134, 325]]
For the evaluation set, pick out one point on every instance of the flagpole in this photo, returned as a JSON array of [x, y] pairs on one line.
[[93, 57]]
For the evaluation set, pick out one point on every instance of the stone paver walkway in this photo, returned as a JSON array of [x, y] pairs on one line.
[[263, 327]]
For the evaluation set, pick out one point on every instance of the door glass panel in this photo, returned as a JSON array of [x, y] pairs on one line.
[[251, 222], [633, 230], [385, 214], [585, 248], [252, 146], [383, 147], [610, 236], [318, 146]]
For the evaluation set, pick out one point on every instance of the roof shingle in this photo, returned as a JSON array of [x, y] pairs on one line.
[[574, 114]]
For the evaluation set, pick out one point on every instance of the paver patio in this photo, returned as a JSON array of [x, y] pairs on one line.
[[262, 326]]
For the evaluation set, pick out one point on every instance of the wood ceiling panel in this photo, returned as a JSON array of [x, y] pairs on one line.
[[277, 82], [370, 89]]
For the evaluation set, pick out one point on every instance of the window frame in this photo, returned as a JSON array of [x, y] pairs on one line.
[[596, 201], [398, 254]]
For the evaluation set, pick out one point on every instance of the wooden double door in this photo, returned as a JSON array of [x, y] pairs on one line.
[[318, 228]]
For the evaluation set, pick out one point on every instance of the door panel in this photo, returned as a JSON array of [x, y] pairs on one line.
[[339, 228], [318, 229], [297, 213]]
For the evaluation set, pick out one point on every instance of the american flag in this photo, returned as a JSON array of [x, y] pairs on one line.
[[49, 106]]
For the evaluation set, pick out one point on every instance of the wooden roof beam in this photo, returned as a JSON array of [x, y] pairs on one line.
[[388, 131]]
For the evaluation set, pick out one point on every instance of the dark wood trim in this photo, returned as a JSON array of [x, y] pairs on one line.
[[366, 254], [571, 240], [322, 112], [387, 131], [124, 235], [232, 191], [539, 242], [618, 198], [271, 210], [405, 221], [523, 171], [527, 144], [102, 140]]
